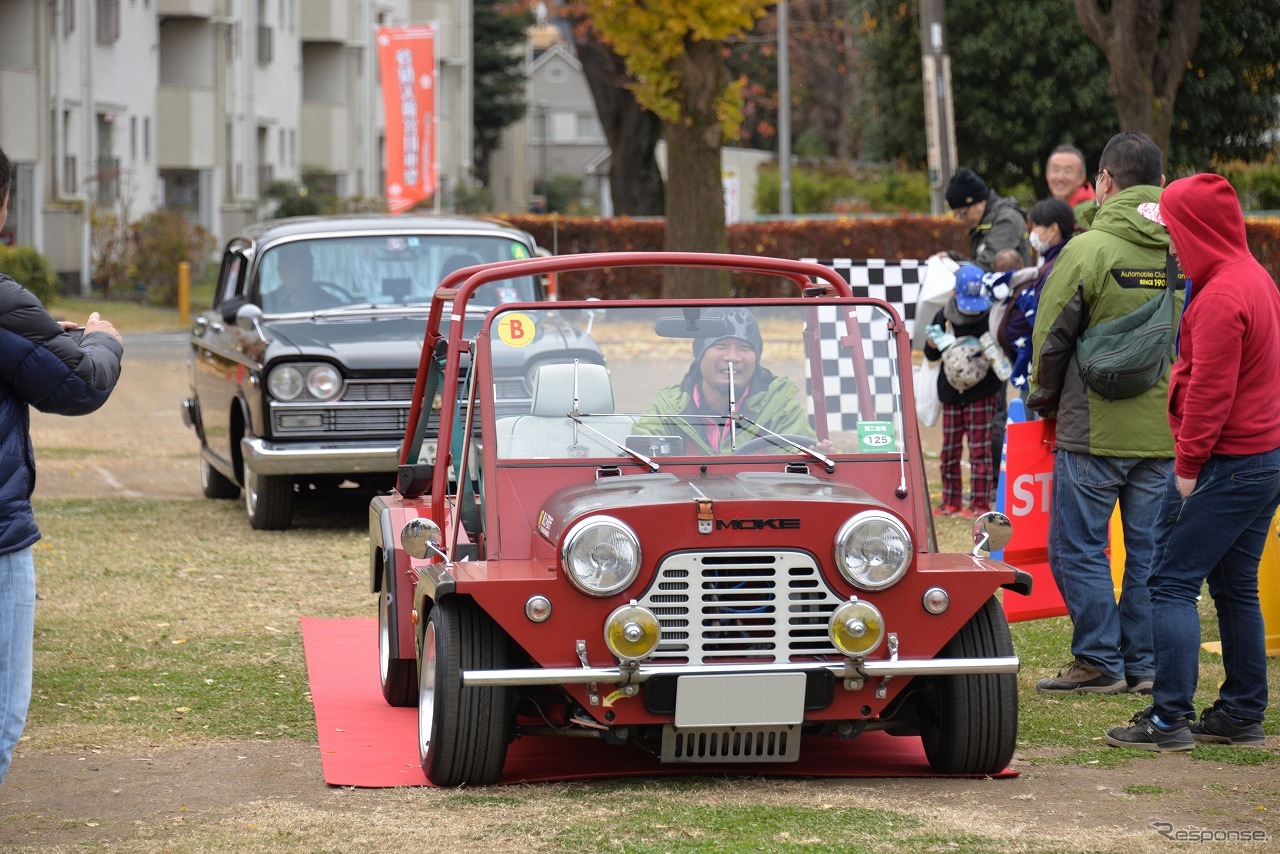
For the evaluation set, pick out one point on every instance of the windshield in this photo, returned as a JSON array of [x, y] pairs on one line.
[[685, 381], [381, 270]]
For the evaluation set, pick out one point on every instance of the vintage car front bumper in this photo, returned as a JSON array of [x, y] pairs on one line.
[[276, 458], [857, 671]]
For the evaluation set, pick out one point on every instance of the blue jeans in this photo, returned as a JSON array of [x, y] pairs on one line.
[[1114, 638], [1217, 534], [17, 627]]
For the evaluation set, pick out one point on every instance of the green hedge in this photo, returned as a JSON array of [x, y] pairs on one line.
[[32, 270], [891, 238]]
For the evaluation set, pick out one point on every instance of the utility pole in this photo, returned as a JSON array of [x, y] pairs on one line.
[[784, 112], [939, 113]]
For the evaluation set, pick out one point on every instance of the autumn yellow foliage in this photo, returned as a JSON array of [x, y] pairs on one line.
[[651, 35]]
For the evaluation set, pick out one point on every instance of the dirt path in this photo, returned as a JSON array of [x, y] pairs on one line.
[[269, 795]]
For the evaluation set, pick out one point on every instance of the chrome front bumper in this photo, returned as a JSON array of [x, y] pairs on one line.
[[275, 458], [846, 670]]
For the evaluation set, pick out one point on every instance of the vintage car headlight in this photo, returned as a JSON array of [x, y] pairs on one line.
[[324, 382], [873, 550], [601, 555], [285, 382], [319, 381]]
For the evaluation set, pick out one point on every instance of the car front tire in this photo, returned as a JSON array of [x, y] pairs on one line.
[[970, 722], [462, 732], [399, 675], [268, 500], [214, 484]]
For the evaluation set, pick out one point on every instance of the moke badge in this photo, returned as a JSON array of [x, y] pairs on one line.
[[544, 523]]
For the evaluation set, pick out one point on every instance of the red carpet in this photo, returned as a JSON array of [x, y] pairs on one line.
[[364, 742]]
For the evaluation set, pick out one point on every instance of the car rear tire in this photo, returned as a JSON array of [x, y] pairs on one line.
[[969, 723], [214, 484], [268, 500], [462, 732], [399, 675]]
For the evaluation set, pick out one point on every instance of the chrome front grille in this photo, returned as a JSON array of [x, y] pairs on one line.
[[723, 606], [377, 409]]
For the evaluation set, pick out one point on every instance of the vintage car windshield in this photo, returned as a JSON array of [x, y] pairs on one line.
[[664, 386], [381, 271]]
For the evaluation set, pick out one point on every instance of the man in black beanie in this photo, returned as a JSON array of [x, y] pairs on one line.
[[994, 223]]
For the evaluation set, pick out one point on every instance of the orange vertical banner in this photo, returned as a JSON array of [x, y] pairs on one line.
[[407, 63]]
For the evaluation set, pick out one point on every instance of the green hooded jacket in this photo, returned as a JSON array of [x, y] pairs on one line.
[[1104, 273], [777, 406]]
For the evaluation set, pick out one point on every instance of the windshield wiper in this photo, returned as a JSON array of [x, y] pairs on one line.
[[342, 309], [827, 463], [575, 416]]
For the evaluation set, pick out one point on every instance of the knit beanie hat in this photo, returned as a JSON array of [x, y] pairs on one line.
[[740, 323], [966, 188]]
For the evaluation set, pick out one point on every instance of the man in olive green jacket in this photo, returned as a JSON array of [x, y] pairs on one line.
[[1107, 450], [696, 408]]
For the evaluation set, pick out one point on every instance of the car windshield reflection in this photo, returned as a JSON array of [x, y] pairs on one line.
[[380, 272]]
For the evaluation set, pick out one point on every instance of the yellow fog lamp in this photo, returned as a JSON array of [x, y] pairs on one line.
[[632, 632], [856, 628]]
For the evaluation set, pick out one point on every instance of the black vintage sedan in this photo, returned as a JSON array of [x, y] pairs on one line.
[[302, 370]]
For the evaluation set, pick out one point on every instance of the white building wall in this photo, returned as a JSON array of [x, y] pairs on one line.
[[66, 99]]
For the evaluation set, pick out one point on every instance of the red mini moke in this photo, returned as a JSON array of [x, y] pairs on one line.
[[716, 545]]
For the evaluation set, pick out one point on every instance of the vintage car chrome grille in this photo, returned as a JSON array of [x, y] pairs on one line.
[[379, 390], [377, 408], [722, 606]]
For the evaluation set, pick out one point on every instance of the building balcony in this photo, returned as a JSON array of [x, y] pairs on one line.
[[326, 21], [187, 117], [187, 8], [326, 136]]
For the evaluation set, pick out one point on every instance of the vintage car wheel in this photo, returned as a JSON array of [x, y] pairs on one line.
[[768, 443], [214, 484], [970, 723], [462, 732], [399, 675], [268, 500]]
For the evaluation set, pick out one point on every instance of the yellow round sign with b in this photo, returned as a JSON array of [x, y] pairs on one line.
[[516, 329]]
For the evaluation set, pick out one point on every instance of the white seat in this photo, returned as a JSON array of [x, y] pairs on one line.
[[548, 433]]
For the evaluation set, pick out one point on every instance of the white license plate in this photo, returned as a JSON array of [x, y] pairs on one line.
[[757, 699]]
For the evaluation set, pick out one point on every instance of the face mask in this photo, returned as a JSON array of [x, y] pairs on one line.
[[1038, 244]]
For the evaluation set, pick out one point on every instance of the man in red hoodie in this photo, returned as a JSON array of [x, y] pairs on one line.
[[1215, 516]]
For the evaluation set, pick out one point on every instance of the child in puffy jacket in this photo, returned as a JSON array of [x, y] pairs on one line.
[[967, 389]]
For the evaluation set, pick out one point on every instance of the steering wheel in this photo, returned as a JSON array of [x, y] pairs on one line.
[[761, 443], [340, 295]]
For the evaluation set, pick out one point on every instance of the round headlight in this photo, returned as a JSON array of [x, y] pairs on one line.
[[873, 550], [601, 555], [285, 382], [856, 628], [324, 382]]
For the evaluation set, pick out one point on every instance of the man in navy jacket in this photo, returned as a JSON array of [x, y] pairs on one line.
[[41, 366]]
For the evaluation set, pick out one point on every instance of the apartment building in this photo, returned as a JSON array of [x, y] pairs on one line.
[[128, 106]]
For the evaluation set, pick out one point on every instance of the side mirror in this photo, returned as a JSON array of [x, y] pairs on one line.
[[421, 538], [991, 532], [248, 316]]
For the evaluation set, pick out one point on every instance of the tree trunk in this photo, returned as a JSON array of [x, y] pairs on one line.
[[635, 183], [1145, 75], [695, 211]]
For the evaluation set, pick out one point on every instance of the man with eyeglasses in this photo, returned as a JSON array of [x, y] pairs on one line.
[[1108, 451]]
